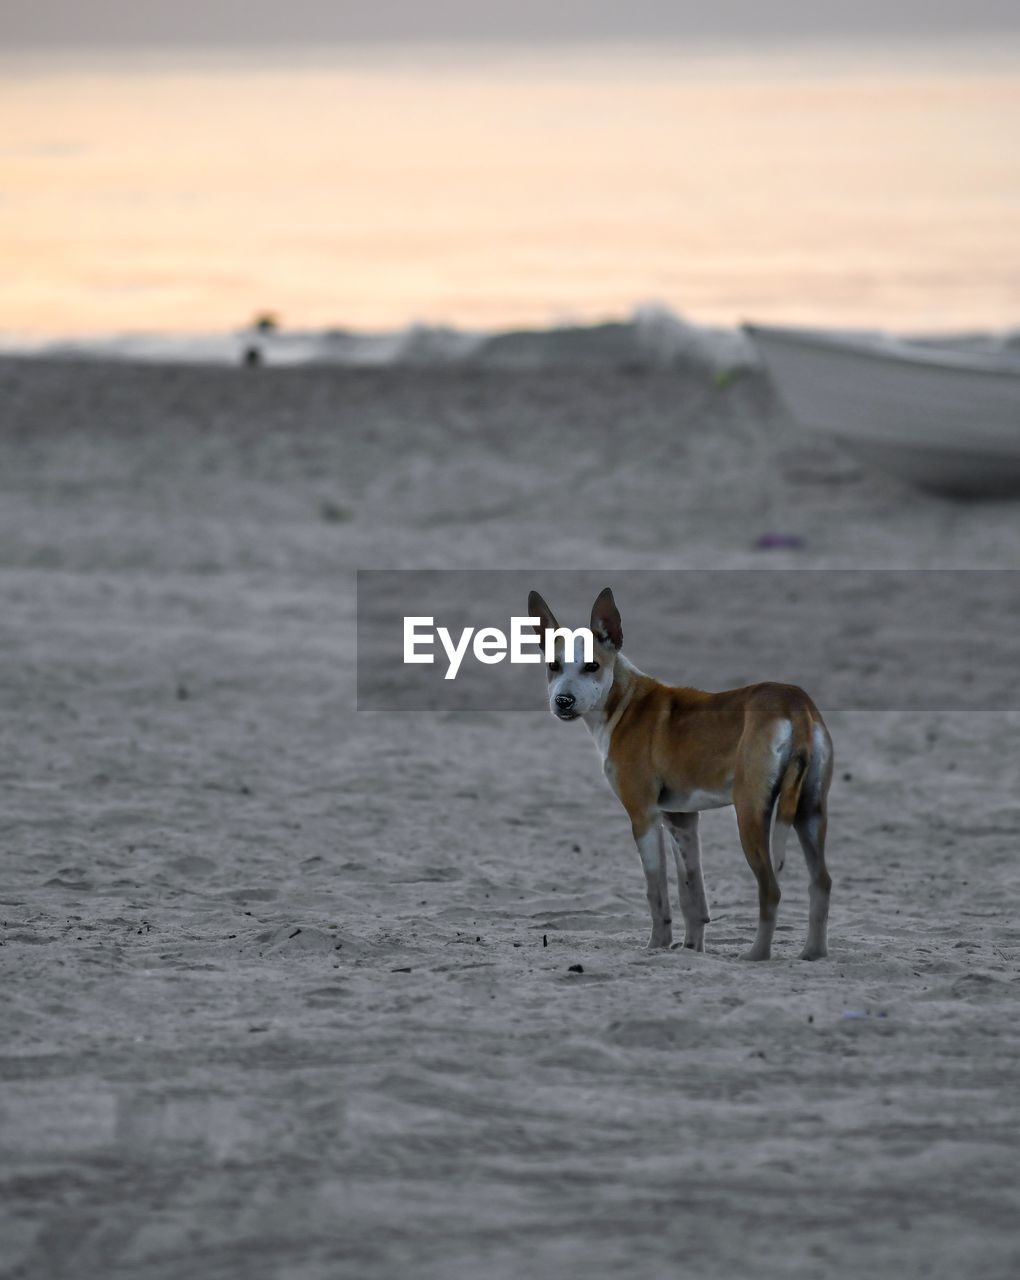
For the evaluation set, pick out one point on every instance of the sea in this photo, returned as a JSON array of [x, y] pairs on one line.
[[371, 200]]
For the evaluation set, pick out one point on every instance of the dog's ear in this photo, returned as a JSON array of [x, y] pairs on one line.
[[537, 608], [606, 624]]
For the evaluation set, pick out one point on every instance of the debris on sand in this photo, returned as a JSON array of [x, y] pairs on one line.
[[773, 541]]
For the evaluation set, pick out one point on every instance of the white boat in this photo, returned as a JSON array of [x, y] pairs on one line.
[[941, 418]]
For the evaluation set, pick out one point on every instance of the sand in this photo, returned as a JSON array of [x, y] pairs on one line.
[[287, 987]]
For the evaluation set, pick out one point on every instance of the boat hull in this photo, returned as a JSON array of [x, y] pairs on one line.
[[942, 420]]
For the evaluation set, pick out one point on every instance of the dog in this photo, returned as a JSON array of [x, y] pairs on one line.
[[669, 753]]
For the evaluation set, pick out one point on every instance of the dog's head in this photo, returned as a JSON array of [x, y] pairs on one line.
[[575, 686]]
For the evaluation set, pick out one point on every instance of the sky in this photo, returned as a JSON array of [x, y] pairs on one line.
[[180, 166], [71, 23]]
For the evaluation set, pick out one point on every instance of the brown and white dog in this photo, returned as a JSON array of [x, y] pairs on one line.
[[670, 752]]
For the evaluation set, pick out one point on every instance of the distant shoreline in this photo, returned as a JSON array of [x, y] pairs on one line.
[[651, 337]]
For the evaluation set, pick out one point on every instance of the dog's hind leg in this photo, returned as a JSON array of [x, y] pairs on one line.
[[811, 831], [811, 824], [754, 823], [683, 828], [650, 838]]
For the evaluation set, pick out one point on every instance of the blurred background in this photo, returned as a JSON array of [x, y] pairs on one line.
[[180, 168]]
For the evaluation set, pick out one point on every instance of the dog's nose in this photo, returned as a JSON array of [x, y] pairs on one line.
[[565, 701]]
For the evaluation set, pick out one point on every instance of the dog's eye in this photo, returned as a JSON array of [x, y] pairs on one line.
[[589, 667], [555, 667]]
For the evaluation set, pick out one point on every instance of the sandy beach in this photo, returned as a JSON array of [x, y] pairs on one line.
[[288, 987]]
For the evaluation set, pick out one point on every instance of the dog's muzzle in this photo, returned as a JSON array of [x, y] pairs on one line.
[[565, 706]]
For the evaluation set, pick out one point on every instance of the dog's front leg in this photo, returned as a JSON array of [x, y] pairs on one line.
[[690, 883], [650, 838]]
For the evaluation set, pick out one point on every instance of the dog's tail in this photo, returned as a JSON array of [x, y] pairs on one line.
[[790, 783]]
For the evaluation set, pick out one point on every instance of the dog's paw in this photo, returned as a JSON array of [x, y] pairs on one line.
[[814, 953], [757, 953], [690, 944]]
